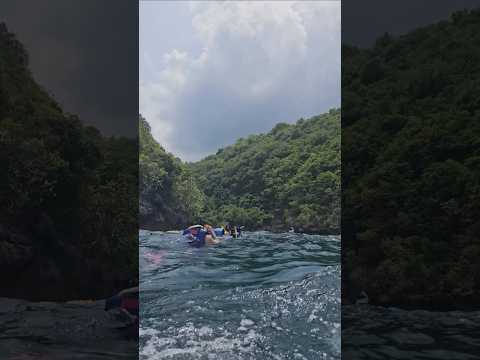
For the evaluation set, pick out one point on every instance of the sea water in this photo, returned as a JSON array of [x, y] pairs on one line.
[[261, 296]]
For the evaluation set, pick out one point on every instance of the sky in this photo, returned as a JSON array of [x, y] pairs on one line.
[[211, 72], [84, 53], [221, 70], [364, 21]]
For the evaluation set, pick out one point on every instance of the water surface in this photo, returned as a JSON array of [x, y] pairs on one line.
[[376, 332], [262, 296], [70, 330]]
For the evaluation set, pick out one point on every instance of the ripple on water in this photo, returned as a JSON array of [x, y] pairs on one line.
[[264, 296], [372, 332]]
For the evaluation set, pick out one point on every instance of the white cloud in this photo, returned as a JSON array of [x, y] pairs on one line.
[[261, 63]]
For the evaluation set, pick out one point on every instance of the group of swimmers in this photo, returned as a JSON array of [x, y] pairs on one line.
[[234, 231], [199, 235]]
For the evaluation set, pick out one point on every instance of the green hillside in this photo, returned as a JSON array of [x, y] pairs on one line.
[[287, 177], [411, 164], [169, 196]]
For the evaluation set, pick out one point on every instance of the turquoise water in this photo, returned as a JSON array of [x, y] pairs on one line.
[[262, 296]]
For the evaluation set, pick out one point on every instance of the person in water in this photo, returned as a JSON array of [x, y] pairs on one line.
[[210, 238], [127, 301], [201, 235], [233, 231], [196, 234]]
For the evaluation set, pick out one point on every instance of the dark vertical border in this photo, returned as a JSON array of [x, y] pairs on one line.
[[69, 179]]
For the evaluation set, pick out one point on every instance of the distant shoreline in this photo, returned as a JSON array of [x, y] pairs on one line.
[[272, 230]]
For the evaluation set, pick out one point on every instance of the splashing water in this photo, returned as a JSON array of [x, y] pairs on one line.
[[262, 296]]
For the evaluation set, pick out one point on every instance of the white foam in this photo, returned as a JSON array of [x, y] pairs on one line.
[[147, 332], [196, 343], [312, 316], [205, 331], [246, 322]]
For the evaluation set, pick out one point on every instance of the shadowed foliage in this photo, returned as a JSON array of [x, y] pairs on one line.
[[410, 165], [68, 195]]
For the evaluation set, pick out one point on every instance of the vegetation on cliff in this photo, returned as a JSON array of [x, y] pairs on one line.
[[68, 195], [169, 196], [287, 177], [411, 164]]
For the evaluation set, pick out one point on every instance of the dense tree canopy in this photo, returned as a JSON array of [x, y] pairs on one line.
[[169, 196], [68, 195], [411, 169], [288, 177]]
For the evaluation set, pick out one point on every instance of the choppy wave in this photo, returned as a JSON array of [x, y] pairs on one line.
[[263, 296]]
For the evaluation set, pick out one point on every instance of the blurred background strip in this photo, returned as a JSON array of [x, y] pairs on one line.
[[410, 179], [69, 179]]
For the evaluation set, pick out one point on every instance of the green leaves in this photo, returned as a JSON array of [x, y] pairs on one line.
[[410, 158], [290, 176], [169, 195]]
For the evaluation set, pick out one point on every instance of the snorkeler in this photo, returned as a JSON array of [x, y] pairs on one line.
[[199, 235], [196, 235]]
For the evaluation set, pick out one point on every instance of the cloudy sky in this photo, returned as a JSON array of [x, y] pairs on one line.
[[211, 72]]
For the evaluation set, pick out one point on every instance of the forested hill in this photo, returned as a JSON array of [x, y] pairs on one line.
[[287, 177], [411, 164], [68, 220], [169, 196]]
